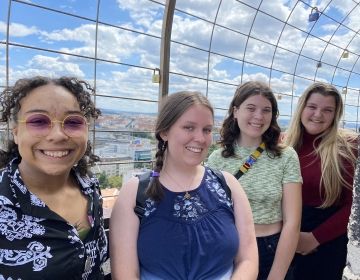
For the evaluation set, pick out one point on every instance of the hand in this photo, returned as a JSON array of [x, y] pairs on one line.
[[307, 243]]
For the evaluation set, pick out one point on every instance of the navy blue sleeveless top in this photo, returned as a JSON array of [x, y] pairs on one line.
[[193, 238]]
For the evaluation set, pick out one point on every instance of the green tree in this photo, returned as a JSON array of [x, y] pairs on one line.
[[115, 181], [103, 180]]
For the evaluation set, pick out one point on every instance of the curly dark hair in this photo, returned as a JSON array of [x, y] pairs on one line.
[[230, 130], [10, 106]]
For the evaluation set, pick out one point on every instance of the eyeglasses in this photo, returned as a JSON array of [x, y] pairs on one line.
[[40, 125]]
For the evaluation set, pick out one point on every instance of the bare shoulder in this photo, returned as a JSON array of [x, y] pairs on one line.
[[232, 182], [127, 193]]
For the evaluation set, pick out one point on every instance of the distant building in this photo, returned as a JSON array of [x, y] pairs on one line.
[[114, 166], [109, 198]]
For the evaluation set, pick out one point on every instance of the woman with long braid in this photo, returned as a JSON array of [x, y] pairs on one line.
[[191, 228]]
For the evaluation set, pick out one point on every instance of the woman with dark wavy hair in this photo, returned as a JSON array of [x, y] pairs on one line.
[[268, 171], [51, 224]]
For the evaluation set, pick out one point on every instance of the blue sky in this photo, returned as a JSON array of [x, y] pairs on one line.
[[283, 47]]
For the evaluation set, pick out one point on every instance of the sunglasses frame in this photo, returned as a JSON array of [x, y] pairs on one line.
[[51, 125]]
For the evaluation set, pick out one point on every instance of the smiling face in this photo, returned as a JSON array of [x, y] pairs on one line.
[[56, 153], [253, 118], [190, 136], [318, 113]]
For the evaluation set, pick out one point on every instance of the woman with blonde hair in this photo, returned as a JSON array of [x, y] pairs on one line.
[[327, 157]]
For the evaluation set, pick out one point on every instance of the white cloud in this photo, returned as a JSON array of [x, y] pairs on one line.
[[18, 30], [53, 66]]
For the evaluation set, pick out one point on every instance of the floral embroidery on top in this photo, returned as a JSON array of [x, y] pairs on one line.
[[189, 209], [214, 186], [149, 207]]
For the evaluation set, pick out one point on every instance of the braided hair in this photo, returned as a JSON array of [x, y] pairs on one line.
[[173, 107]]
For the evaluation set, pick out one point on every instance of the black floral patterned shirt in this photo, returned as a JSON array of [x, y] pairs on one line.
[[36, 243]]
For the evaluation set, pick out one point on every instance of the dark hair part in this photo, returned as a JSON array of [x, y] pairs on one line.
[[10, 105], [172, 108], [230, 130]]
